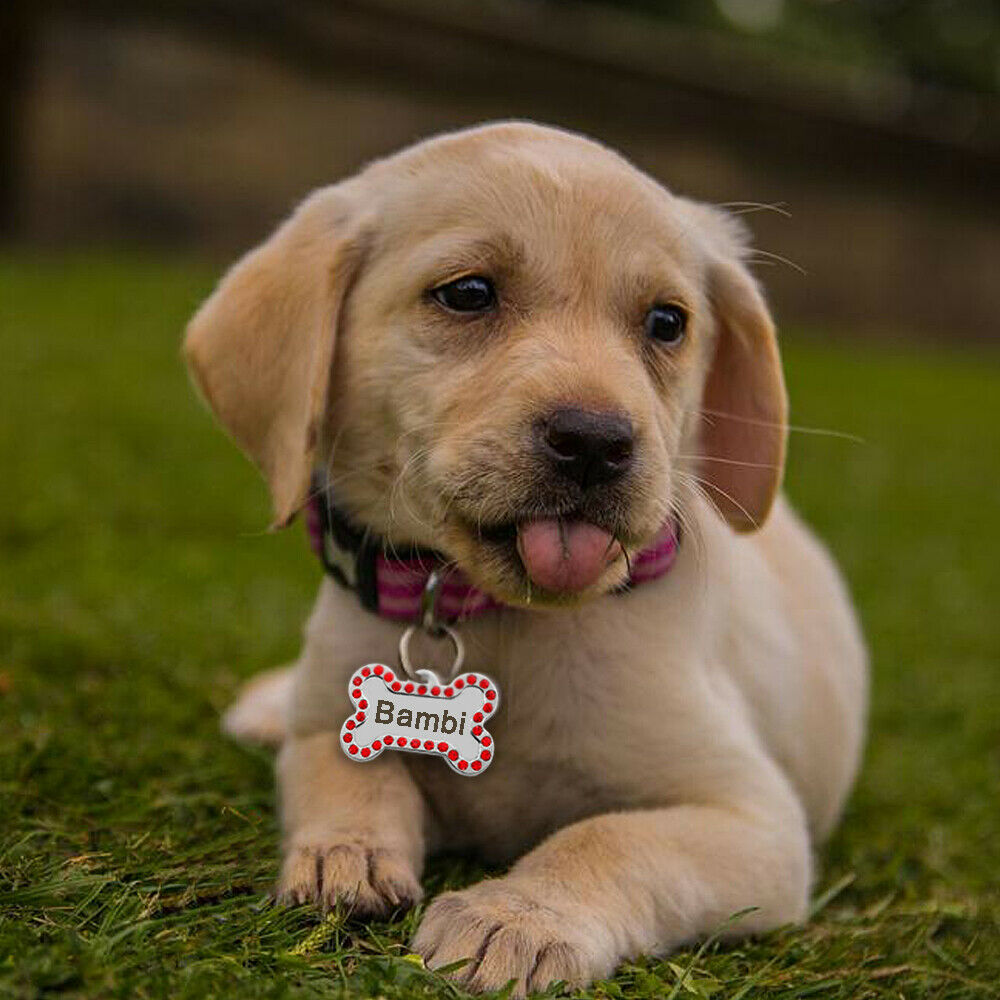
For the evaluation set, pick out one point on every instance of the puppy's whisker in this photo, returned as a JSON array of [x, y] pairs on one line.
[[332, 451], [746, 207], [451, 495], [690, 525], [397, 485], [719, 490], [705, 412], [774, 258], [628, 558], [728, 461]]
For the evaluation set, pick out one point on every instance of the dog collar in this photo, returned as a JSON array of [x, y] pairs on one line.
[[391, 582]]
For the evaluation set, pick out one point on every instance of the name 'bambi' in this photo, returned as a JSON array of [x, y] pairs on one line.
[[404, 717]]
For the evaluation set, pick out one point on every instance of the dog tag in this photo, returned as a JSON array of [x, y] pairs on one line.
[[422, 715]]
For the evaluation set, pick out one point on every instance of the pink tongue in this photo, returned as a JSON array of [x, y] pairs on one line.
[[566, 558]]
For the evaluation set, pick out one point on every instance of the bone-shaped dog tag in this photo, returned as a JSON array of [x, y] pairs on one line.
[[421, 716]]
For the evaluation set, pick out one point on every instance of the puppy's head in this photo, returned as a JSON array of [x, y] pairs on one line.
[[507, 344]]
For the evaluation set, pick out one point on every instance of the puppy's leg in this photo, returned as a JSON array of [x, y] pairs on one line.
[[618, 885], [260, 712], [353, 833]]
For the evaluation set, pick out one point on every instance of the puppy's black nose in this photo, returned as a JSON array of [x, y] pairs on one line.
[[587, 447]]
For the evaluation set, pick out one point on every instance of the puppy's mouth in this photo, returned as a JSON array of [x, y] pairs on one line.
[[564, 555]]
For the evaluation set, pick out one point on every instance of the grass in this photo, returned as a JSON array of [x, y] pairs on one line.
[[137, 589]]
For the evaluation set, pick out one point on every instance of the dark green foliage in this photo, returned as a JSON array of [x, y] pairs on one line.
[[948, 43]]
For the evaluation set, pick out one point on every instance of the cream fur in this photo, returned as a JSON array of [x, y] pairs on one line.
[[664, 758]]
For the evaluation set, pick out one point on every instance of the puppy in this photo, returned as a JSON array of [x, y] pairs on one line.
[[511, 349]]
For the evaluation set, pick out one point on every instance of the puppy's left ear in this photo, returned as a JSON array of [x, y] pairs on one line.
[[744, 411], [261, 347]]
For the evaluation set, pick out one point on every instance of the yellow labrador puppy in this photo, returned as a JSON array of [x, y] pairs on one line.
[[511, 349]]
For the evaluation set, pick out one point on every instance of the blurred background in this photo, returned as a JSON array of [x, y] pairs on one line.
[[144, 145], [873, 124]]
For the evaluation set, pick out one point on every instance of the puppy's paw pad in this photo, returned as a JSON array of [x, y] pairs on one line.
[[366, 880], [507, 935]]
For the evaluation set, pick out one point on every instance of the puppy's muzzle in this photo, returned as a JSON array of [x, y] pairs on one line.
[[587, 447]]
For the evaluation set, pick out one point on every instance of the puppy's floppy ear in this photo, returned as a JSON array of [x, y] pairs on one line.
[[744, 422], [261, 347]]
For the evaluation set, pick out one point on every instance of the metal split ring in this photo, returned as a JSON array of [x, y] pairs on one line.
[[433, 626], [442, 631]]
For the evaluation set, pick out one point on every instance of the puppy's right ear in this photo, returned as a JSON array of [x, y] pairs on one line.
[[261, 347], [744, 403]]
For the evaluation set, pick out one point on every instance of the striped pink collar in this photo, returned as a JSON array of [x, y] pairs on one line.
[[392, 585]]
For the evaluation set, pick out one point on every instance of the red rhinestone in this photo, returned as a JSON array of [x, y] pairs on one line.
[[388, 741], [376, 745], [486, 741], [463, 765], [435, 690], [387, 676], [348, 737], [378, 670], [491, 694], [366, 752], [360, 717], [362, 703], [459, 683], [356, 692], [484, 683], [408, 688], [452, 755], [422, 689], [470, 678], [414, 743], [396, 686], [476, 730], [447, 692], [476, 765], [428, 744], [485, 755], [353, 749], [365, 672], [442, 747], [349, 723], [478, 717]]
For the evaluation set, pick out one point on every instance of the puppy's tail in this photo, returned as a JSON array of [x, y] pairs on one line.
[[260, 712]]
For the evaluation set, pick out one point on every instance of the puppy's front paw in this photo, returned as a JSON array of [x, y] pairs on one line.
[[370, 881], [510, 931]]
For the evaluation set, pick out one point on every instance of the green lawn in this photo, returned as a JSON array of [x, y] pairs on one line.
[[137, 589]]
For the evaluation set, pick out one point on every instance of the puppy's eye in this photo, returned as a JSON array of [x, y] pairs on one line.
[[666, 324], [469, 294]]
